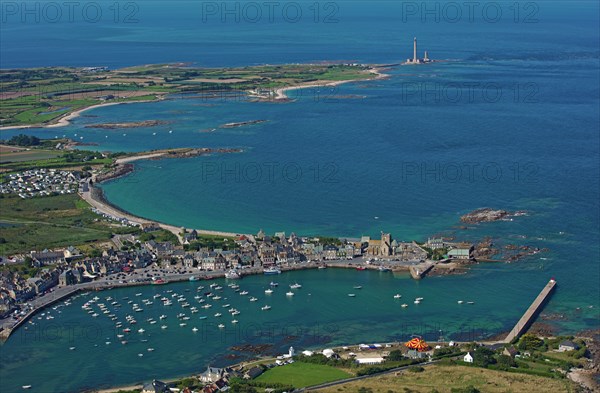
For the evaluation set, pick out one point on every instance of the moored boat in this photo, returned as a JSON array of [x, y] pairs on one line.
[[272, 270], [232, 274]]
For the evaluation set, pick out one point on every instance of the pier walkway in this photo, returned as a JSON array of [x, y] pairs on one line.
[[417, 272], [531, 312]]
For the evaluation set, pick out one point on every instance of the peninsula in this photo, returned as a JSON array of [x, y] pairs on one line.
[[52, 96]]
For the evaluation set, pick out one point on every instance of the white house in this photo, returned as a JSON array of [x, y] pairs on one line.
[[328, 352], [567, 346], [369, 360], [468, 358]]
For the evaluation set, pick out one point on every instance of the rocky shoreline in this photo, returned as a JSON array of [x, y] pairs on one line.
[[487, 214], [137, 124]]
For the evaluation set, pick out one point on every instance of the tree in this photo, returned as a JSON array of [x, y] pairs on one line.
[[529, 342], [242, 388], [483, 357], [24, 140], [505, 362], [395, 355]]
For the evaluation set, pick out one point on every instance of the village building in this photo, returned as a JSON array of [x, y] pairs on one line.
[[567, 345], [468, 358], [461, 251]]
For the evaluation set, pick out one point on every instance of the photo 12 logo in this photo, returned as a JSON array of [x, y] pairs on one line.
[[268, 172], [469, 11], [13, 12], [465, 172], [468, 92], [269, 12]]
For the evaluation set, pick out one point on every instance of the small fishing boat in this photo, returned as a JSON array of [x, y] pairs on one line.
[[397, 296], [358, 287], [290, 293], [221, 326], [194, 329], [271, 271], [264, 308], [268, 291], [295, 286], [26, 386], [404, 305], [352, 295], [460, 302], [163, 326]]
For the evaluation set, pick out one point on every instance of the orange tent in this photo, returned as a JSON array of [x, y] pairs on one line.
[[418, 344]]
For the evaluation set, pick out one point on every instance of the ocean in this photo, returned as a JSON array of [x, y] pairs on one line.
[[507, 119]]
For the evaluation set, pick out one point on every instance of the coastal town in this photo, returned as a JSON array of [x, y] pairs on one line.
[[142, 252]]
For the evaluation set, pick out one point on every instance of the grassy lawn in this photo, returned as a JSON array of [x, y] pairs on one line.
[[302, 374], [444, 378], [27, 155], [56, 221]]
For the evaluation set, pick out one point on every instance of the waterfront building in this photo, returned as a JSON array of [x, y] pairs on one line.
[[188, 260], [567, 346], [435, 243], [155, 386], [212, 374], [253, 372], [461, 251], [66, 278], [330, 252]]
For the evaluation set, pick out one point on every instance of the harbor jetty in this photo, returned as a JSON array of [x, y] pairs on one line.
[[527, 318], [419, 271]]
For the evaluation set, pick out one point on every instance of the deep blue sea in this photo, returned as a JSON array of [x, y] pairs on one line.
[[509, 119]]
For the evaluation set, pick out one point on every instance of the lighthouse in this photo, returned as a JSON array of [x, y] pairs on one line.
[[415, 60]]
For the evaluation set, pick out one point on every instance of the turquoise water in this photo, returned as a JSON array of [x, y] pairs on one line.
[[509, 120], [305, 320]]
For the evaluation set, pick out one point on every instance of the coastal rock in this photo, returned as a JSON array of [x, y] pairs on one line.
[[252, 348], [136, 124], [485, 249], [485, 214], [241, 124]]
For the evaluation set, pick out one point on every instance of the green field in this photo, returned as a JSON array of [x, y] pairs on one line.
[[27, 155], [43, 95], [301, 374], [56, 221]]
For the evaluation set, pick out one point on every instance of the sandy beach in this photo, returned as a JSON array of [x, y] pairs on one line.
[[280, 94], [66, 119]]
